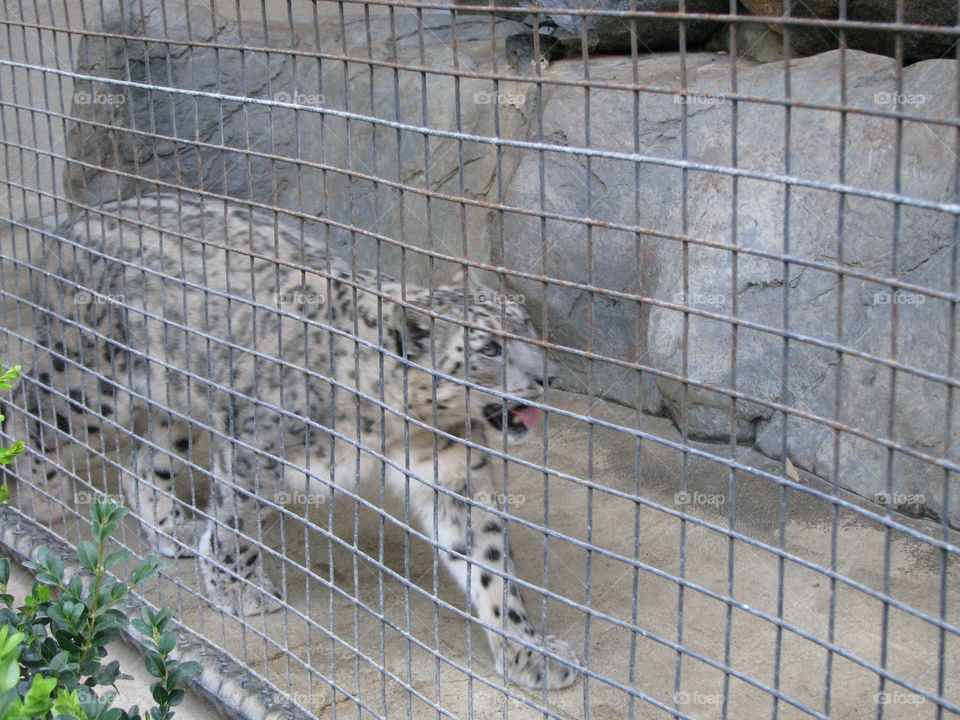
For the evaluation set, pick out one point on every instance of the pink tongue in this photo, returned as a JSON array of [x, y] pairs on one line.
[[529, 416]]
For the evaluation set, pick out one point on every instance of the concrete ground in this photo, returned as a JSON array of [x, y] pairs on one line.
[[309, 647]]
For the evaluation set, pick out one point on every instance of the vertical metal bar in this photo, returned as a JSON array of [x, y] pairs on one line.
[[351, 214], [468, 430], [281, 520], [381, 368], [637, 350], [784, 360], [839, 357], [952, 319], [544, 326], [684, 355], [734, 347], [591, 400], [498, 251], [894, 349], [407, 515], [401, 211]]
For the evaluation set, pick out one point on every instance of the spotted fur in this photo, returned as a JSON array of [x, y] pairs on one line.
[[196, 324]]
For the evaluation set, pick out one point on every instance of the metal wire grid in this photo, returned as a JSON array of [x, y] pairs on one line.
[[34, 191]]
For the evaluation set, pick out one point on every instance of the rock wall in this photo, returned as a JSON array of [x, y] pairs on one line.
[[299, 157]]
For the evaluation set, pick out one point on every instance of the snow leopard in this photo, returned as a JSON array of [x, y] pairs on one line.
[[198, 312]]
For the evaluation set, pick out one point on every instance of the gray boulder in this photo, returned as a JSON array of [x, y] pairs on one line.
[[652, 265]]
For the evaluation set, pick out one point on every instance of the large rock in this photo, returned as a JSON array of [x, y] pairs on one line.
[[810, 39], [652, 196], [612, 259]]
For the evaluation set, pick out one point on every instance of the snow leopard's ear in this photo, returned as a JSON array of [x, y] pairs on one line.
[[410, 332], [479, 283]]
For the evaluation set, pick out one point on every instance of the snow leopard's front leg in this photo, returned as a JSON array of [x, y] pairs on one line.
[[230, 543], [151, 487], [528, 658]]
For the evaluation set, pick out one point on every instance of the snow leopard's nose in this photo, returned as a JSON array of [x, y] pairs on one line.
[[549, 382]]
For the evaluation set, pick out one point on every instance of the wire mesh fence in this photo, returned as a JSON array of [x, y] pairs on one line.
[[495, 360]]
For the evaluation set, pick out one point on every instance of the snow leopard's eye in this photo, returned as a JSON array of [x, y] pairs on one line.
[[491, 349]]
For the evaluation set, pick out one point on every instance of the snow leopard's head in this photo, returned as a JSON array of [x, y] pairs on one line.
[[487, 341]]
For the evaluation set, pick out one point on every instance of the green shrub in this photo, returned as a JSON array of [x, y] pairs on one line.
[[52, 647], [7, 378]]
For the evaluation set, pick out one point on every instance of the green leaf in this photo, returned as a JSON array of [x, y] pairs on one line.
[[176, 697], [106, 591], [108, 674], [145, 570], [67, 640], [7, 454], [10, 705], [166, 643], [60, 622], [162, 617], [110, 619], [189, 668], [9, 643], [154, 664], [40, 594], [67, 705], [72, 611], [116, 557], [87, 554], [9, 674], [37, 700], [106, 637], [49, 668], [141, 627], [49, 568], [118, 592], [75, 588], [149, 618], [10, 376]]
